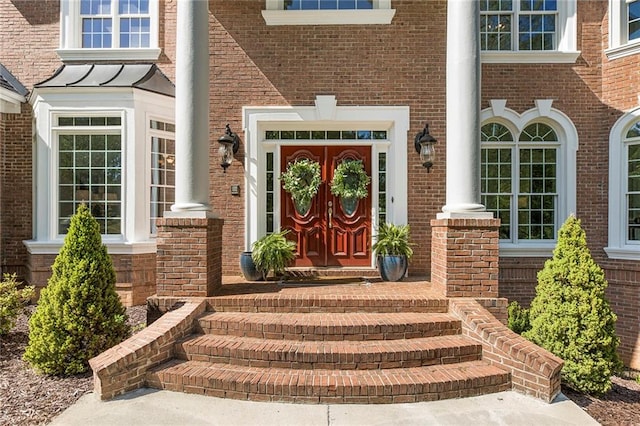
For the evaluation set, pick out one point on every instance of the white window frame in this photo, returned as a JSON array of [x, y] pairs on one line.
[[619, 43], [566, 40], [325, 115], [618, 246], [135, 107], [381, 14], [566, 164], [58, 131], [71, 37]]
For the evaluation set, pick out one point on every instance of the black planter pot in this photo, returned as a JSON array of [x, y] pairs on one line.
[[248, 268], [392, 268]]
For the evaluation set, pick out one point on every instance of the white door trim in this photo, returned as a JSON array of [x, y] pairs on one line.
[[325, 115]]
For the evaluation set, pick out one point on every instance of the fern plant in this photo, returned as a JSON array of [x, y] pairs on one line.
[[393, 240], [273, 252]]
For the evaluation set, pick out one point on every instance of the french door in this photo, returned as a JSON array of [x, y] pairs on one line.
[[332, 231]]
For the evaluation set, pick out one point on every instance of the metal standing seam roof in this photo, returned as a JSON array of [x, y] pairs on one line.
[[141, 76], [10, 83]]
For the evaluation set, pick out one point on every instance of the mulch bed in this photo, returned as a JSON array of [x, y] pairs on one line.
[[27, 398]]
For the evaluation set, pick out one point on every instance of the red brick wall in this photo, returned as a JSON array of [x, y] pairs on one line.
[[253, 64], [135, 275], [16, 205]]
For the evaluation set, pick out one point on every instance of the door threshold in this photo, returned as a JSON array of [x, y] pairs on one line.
[[313, 272]]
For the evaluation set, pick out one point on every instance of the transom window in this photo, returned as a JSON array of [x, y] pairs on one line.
[[326, 134], [519, 180], [90, 170], [327, 4], [518, 25]]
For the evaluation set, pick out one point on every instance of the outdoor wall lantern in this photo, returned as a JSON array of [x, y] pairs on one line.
[[424, 146], [229, 144]]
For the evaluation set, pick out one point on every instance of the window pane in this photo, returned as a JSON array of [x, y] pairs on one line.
[[634, 20], [83, 174], [162, 176]]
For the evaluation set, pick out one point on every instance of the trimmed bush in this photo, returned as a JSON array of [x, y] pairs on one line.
[[570, 315], [79, 314], [518, 318], [12, 300]]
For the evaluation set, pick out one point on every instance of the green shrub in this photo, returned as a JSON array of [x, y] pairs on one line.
[[273, 252], [518, 318], [12, 301], [570, 315], [79, 314]]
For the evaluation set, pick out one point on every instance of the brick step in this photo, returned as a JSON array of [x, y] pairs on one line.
[[330, 386], [303, 303], [342, 355], [320, 326]]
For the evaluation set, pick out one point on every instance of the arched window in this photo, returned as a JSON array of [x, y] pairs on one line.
[[528, 176], [624, 188]]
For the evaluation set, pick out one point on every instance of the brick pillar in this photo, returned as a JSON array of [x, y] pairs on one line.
[[464, 256], [189, 259]]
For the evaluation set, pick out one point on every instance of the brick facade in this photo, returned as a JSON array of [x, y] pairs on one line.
[[253, 64]]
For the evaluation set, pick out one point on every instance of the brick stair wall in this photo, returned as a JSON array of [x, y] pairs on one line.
[[276, 348]]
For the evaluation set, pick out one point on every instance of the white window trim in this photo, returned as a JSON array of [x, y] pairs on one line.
[[619, 44], [568, 137], [134, 106], [325, 115], [381, 14], [618, 247], [71, 38], [566, 52]]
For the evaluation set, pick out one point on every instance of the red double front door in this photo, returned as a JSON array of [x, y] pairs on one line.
[[333, 232]]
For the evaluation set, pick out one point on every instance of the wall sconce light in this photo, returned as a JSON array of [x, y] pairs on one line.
[[229, 144], [424, 146]]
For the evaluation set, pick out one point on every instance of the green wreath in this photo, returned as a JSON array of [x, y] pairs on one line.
[[350, 180], [302, 180]]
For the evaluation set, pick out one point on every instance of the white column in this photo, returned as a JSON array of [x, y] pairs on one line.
[[192, 107], [463, 110]]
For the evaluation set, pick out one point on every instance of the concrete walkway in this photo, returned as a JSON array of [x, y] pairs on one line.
[[153, 407]]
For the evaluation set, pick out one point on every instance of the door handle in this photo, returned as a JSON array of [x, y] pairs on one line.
[[330, 212]]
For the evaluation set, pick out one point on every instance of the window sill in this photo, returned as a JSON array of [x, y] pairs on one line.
[[108, 54], [622, 51], [542, 57], [113, 247], [525, 250], [623, 253], [328, 17]]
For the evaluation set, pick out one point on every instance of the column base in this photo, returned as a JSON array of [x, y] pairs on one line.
[[465, 256], [189, 259]]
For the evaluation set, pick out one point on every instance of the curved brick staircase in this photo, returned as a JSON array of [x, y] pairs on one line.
[[382, 343], [386, 350]]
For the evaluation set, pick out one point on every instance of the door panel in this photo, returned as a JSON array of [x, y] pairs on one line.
[[332, 233], [308, 230]]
